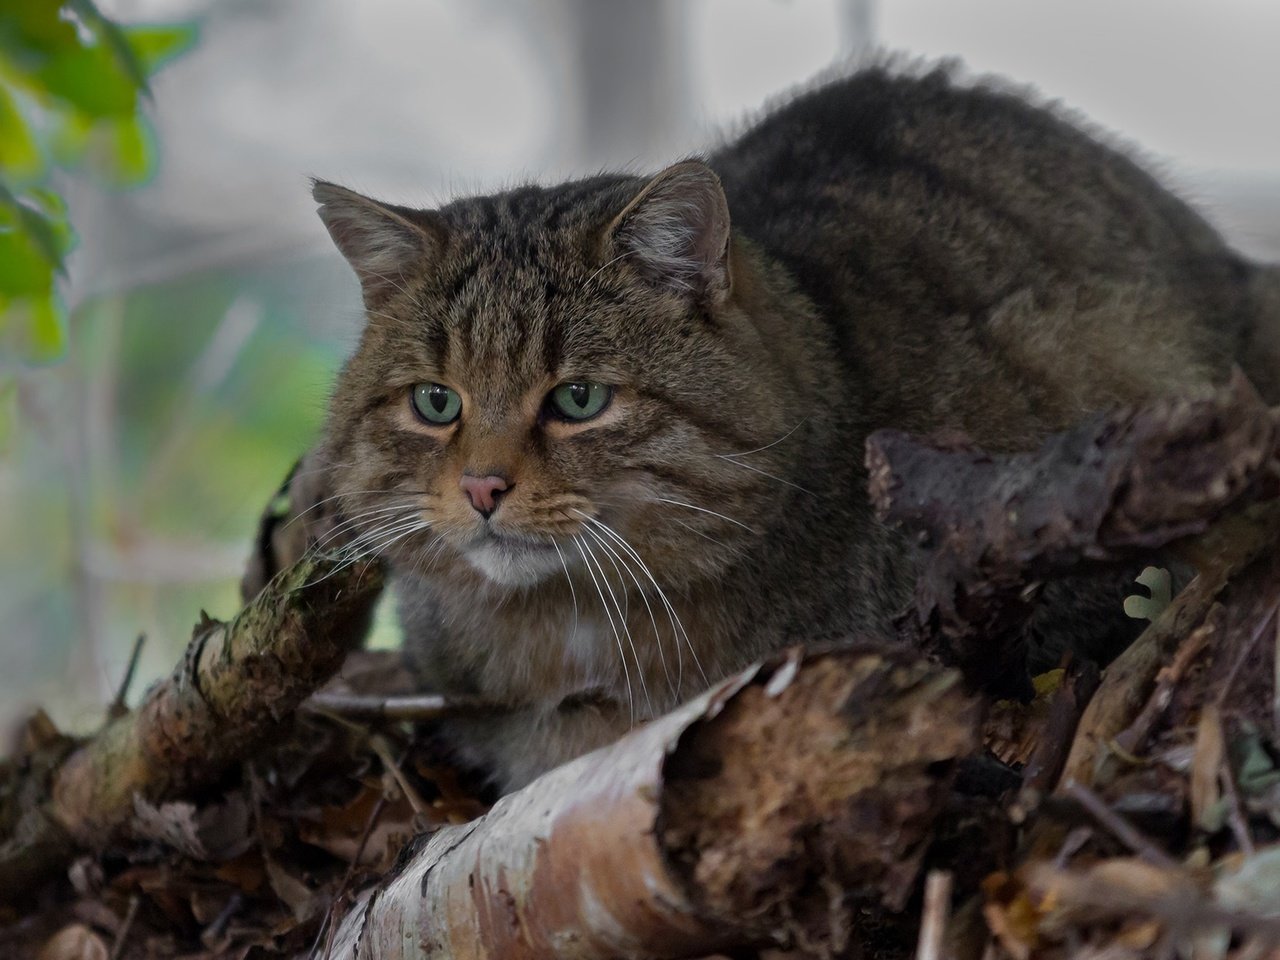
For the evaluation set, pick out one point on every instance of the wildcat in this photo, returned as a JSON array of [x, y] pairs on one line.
[[609, 433]]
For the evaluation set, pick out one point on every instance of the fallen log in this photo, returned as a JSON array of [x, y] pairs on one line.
[[771, 810], [1117, 486]]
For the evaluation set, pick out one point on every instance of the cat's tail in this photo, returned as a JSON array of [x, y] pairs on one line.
[[1261, 356]]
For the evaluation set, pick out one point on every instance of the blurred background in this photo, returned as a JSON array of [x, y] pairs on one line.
[[208, 313]]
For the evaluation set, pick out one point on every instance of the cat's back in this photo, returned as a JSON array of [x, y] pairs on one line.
[[957, 234], [911, 138]]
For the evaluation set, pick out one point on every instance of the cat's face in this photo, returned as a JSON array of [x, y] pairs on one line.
[[554, 381]]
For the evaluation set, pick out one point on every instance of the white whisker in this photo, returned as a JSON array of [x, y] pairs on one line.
[[585, 550], [676, 625], [615, 559], [572, 592], [694, 506], [728, 458], [747, 453]]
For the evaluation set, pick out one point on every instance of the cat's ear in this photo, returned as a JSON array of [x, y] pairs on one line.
[[676, 232], [382, 242]]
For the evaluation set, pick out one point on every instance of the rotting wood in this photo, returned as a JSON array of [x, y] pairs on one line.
[[765, 811], [1118, 484]]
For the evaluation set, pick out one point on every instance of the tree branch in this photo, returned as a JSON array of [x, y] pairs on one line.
[[237, 684]]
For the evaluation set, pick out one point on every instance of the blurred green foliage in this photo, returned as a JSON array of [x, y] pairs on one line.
[[72, 84], [140, 464]]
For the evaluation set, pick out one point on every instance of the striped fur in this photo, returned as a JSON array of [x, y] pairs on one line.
[[885, 250]]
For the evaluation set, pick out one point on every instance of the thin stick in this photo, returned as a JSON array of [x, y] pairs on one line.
[[218, 929], [392, 766], [1275, 683], [117, 951], [1132, 737], [367, 708], [328, 927], [1121, 828], [119, 705], [1244, 654], [937, 912]]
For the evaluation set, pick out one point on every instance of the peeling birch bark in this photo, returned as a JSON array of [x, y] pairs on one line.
[[767, 811]]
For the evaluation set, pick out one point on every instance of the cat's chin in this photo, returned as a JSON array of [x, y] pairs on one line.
[[514, 564]]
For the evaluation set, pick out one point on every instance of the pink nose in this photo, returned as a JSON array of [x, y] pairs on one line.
[[484, 491]]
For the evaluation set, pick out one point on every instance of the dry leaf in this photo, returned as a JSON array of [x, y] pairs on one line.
[[75, 942], [1211, 748], [293, 893], [214, 832], [1013, 729]]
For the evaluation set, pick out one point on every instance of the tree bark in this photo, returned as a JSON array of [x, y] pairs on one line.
[[778, 808], [1113, 488]]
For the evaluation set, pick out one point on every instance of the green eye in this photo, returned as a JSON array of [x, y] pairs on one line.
[[436, 403], [579, 401]]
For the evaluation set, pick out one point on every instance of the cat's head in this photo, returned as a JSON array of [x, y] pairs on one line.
[[556, 379]]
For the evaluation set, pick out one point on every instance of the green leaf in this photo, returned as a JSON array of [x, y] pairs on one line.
[[44, 215], [33, 330], [20, 157], [70, 135], [35, 237], [114, 39], [35, 26], [124, 150], [47, 329], [1158, 581], [154, 46], [92, 79], [25, 267]]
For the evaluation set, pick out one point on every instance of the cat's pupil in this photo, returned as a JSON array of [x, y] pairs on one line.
[[438, 398], [580, 393]]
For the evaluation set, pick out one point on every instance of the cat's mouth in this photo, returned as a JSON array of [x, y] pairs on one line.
[[514, 560]]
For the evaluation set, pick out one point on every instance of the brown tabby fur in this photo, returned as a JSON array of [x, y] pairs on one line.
[[884, 250]]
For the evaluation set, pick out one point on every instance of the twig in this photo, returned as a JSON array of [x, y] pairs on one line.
[[1245, 652], [328, 927], [1206, 765], [1121, 828], [408, 707], [1131, 738], [119, 706], [1066, 706], [937, 912], [1275, 685], [1071, 845], [117, 950], [392, 766], [218, 928]]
